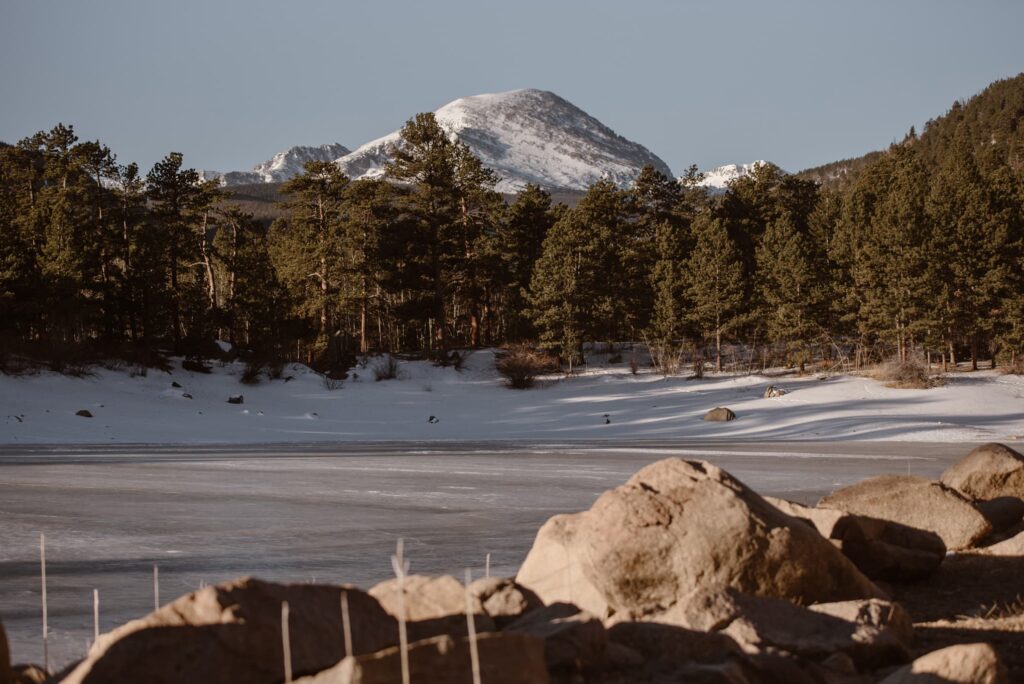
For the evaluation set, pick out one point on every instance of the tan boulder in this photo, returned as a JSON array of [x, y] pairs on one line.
[[881, 549], [677, 526], [504, 659], [766, 625], [990, 471], [231, 633], [915, 502], [872, 613], [960, 664], [660, 641], [503, 600], [1014, 546], [573, 638], [433, 606]]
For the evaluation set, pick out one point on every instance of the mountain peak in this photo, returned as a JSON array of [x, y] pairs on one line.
[[526, 136], [282, 165], [717, 180]]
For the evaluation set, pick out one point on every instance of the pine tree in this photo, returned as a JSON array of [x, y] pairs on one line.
[[790, 267], [714, 282], [308, 247]]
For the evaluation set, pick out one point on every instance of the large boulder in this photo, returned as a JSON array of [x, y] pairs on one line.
[[990, 471], [574, 640], [433, 606], [231, 633], [767, 625], [881, 549], [503, 658], [503, 600], [915, 502], [677, 526], [960, 664]]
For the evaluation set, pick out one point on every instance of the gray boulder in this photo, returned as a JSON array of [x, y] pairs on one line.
[[719, 415]]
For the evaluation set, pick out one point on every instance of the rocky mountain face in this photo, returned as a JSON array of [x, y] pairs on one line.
[[281, 166], [526, 136]]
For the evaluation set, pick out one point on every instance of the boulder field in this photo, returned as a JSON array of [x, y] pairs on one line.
[[682, 574]]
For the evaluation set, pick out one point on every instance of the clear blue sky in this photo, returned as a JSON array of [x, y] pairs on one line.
[[798, 82]]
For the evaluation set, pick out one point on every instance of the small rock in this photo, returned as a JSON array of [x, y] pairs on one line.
[[963, 663], [175, 384], [719, 415], [433, 419], [186, 395], [433, 606], [236, 399], [772, 392], [504, 600], [84, 413]]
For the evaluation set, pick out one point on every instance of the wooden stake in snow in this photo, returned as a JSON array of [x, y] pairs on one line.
[[286, 645], [156, 587], [471, 627], [346, 626], [46, 625], [95, 616], [401, 568], [487, 567]]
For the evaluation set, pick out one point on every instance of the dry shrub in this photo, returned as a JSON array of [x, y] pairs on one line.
[[910, 374], [520, 366], [386, 368]]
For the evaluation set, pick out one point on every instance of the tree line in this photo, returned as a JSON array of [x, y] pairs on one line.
[[915, 256]]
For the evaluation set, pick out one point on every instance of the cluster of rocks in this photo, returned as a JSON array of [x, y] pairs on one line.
[[682, 574]]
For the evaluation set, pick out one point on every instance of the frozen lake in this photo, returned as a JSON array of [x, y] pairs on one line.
[[330, 513]]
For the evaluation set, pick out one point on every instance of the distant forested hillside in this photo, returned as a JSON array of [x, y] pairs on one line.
[[991, 123]]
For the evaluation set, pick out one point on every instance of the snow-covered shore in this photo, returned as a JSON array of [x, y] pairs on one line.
[[473, 404]]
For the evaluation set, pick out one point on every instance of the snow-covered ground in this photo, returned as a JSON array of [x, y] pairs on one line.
[[474, 404]]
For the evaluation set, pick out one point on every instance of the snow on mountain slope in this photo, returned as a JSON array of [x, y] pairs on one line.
[[717, 180], [281, 166], [526, 136]]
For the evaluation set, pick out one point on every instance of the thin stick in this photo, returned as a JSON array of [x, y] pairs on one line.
[[95, 616], [286, 645], [471, 628], [156, 587], [401, 567], [487, 566], [46, 624], [346, 626]]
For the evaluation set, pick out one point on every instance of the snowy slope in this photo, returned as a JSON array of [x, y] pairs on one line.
[[526, 136], [475, 405], [717, 180], [281, 166]]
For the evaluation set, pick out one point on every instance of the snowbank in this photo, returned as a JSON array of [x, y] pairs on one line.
[[474, 404]]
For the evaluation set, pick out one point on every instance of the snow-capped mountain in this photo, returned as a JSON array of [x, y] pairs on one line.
[[717, 180], [281, 166], [526, 136]]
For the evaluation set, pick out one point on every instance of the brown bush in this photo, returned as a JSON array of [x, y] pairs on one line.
[[520, 366], [910, 374]]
